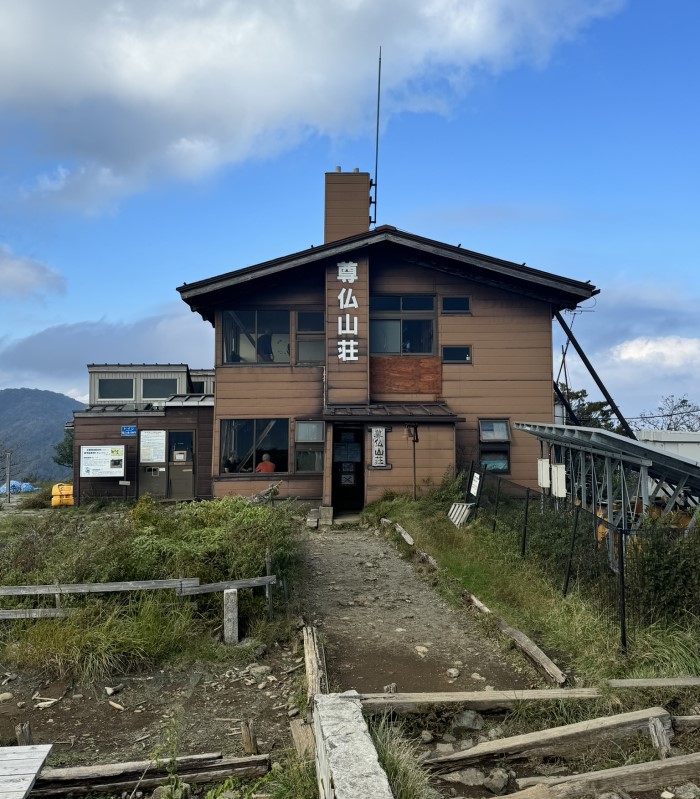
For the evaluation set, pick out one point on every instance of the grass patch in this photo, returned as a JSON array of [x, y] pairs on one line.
[[294, 778], [583, 636], [215, 541], [397, 756]]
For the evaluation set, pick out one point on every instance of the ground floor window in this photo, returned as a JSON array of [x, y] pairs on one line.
[[494, 445], [254, 445], [310, 443]]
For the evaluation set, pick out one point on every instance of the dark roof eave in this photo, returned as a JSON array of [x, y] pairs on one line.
[[577, 290]]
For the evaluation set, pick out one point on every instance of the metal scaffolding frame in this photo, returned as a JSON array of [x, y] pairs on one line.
[[617, 478]]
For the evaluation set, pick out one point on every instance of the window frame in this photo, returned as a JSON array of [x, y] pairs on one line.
[[226, 449], [401, 316], [457, 312], [457, 361], [499, 445], [127, 398], [311, 446], [149, 397], [229, 325], [309, 336]]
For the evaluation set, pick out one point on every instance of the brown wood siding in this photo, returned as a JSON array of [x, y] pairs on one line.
[[265, 392], [435, 456], [397, 374], [305, 488], [348, 381], [104, 430], [510, 376], [346, 205]]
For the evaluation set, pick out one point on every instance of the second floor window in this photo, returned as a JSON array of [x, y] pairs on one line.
[[402, 324], [255, 336]]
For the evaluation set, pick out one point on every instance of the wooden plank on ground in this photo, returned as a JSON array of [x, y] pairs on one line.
[[683, 723], [19, 766], [313, 662], [34, 613], [640, 777], [475, 700], [555, 741], [303, 737], [529, 648], [657, 682], [211, 588], [96, 588]]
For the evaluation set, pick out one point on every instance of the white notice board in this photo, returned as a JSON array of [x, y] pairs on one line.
[[104, 461], [152, 446]]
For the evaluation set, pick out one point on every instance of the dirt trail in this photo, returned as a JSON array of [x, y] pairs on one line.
[[383, 623]]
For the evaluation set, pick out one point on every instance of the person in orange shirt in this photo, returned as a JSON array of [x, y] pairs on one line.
[[265, 465]]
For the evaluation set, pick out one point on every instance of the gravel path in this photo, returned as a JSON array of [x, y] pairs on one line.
[[383, 623]]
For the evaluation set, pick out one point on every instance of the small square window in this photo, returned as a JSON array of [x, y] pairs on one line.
[[456, 304], [494, 430], [310, 322], [310, 431], [457, 354]]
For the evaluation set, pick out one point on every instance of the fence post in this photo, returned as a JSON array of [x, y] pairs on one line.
[[621, 580], [523, 534], [268, 587], [495, 512], [571, 550]]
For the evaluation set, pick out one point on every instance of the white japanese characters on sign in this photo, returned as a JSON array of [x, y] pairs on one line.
[[348, 345], [378, 446]]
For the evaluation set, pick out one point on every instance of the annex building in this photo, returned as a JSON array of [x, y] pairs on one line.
[[379, 360]]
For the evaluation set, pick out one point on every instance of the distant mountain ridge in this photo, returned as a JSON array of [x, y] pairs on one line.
[[31, 423]]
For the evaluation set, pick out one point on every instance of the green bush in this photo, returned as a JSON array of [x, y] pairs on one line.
[[215, 541]]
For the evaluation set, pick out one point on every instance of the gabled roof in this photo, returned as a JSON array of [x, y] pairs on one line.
[[205, 295]]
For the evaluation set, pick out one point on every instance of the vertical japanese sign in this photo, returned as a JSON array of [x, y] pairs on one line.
[[378, 446], [348, 345]]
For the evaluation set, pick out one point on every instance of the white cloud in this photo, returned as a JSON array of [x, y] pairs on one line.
[[667, 353], [25, 278], [126, 90], [174, 336]]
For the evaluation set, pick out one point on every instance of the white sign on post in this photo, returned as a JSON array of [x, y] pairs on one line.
[[379, 446], [104, 461]]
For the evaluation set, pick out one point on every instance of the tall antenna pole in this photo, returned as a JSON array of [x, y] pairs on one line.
[[376, 143]]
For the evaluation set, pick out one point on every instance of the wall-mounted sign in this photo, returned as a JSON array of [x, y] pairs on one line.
[[128, 431], [152, 449], [107, 461], [348, 345], [378, 446]]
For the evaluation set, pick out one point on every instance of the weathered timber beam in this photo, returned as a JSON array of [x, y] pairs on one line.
[[683, 723], [211, 588], [555, 741], [312, 662], [118, 769], [216, 771], [657, 682], [640, 777], [96, 588], [529, 648], [474, 700]]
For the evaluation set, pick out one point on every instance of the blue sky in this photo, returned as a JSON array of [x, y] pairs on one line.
[[145, 144]]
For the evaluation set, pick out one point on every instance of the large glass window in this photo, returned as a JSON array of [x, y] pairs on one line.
[[401, 324], [494, 445], [251, 336], [309, 447], [114, 388], [159, 387], [311, 340], [254, 445]]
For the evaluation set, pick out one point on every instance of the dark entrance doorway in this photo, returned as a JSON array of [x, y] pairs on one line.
[[348, 478]]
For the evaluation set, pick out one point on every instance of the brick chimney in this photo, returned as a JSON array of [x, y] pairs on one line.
[[347, 204]]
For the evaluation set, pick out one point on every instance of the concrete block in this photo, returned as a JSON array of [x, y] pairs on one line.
[[347, 765], [231, 616], [325, 515]]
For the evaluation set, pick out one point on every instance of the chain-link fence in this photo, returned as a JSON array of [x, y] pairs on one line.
[[633, 577]]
